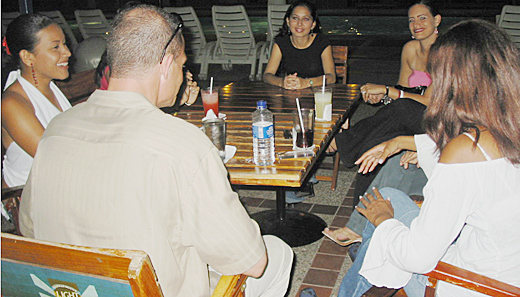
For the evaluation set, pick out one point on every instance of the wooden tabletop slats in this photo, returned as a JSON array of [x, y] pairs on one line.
[[238, 101]]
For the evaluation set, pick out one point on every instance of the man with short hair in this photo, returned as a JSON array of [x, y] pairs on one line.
[[117, 172]]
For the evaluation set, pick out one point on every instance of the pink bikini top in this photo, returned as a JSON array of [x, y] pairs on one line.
[[419, 78]]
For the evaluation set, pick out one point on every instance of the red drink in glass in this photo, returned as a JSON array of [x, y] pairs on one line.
[[210, 100]]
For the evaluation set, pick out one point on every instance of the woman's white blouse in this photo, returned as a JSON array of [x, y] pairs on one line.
[[470, 218]]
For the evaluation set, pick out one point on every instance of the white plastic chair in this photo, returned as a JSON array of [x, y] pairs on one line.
[[7, 18], [91, 23], [58, 18], [235, 40], [197, 48], [275, 19], [509, 20]]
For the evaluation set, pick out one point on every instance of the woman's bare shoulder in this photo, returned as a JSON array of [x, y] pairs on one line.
[[14, 99], [462, 149], [411, 46]]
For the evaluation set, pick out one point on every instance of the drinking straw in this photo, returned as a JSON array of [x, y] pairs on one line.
[[301, 119], [323, 88], [211, 85]]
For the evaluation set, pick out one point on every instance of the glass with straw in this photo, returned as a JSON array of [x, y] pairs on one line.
[[323, 102], [210, 98]]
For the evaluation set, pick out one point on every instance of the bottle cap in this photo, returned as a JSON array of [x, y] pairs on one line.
[[261, 104]]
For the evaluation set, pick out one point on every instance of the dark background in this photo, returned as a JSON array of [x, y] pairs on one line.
[[332, 7]]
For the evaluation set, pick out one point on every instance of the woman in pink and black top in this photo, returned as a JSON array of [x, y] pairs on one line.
[[404, 110]]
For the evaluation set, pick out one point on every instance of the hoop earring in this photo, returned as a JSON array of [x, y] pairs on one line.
[[34, 75]]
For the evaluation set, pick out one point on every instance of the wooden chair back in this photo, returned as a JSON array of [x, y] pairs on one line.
[[33, 267], [456, 276], [340, 55], [469, 280]]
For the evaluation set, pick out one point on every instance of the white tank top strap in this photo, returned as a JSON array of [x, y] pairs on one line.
[[481, 149]]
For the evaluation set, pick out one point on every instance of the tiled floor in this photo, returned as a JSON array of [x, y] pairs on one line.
[[321, 264]]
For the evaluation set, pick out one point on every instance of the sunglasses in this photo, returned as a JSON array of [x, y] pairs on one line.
[[179, 26]]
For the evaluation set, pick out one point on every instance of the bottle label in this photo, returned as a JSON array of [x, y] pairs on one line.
[[262, 131]]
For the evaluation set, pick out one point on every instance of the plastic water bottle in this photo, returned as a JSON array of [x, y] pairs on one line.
[[263, 135]]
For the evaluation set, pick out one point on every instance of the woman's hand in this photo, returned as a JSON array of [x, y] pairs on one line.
[[293, 82], [379, 153], [377, 210], [372, 93], [407, 158], [192, 90]]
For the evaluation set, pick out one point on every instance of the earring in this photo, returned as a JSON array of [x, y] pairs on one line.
[[436, 31], [413, 37], [34, 75]]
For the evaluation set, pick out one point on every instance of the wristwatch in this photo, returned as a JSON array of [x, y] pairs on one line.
[[386, 99]]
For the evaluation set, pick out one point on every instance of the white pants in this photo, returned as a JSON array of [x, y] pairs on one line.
[[275, 280]]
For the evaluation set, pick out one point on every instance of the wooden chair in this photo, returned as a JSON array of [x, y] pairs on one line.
[[58, 18], [197, 48], [509, 20], [37, 268], [91, 23], [340, 54], [456, 276]]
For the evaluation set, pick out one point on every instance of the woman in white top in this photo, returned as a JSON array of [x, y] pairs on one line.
[[471, 211], [31, 99]]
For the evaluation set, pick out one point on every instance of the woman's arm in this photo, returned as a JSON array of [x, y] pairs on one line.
[[20, 123], [272, 66], [373, 93], [328, 68]]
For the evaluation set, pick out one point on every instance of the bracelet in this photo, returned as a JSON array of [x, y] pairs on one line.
[[401, 94], [387, 90], [311, 83]]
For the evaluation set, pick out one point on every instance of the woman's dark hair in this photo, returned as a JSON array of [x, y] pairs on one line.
[[285, 31], [475, 70], [21, 34], [430, 5]]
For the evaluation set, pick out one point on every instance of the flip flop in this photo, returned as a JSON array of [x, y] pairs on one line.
[[352, 236]]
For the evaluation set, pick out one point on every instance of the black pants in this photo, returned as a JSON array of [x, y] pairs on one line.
[[401, 117]]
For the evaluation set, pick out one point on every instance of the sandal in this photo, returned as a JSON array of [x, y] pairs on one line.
[[352, 236]]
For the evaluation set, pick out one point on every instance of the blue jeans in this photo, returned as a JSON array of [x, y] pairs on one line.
[[411, 181], [405, 210]]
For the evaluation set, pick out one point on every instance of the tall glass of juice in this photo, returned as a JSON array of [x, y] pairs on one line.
[[323, 104], [210, 100]]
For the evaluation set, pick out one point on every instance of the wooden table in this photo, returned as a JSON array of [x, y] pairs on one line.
[[238, 101]]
